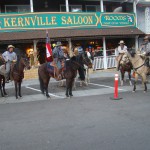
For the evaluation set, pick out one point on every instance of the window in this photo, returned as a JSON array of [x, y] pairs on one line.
[[72, 8], [92, 8], [17, 8]]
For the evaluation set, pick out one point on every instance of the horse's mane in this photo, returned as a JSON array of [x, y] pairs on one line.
[[16, 66]]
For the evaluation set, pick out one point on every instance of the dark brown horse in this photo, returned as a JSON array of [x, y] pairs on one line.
[[17, 72], [2, 77], [125, 66], [70, 72]]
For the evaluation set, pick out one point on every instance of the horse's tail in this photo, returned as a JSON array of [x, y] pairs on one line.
[[41, 81]]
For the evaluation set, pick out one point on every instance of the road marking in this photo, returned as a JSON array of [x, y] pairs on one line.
[[48, 93], [106, 86]]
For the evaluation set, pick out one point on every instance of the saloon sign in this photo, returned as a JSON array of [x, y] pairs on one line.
[[45, 20]]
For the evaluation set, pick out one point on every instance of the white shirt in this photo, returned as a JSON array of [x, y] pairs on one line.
[[121, 50]]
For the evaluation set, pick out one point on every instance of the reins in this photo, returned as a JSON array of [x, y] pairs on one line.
[[139, 66]]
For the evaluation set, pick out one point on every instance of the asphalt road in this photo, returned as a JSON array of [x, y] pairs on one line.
[[81, 123]]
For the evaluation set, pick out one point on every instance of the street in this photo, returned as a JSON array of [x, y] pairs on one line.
[[88, 121]]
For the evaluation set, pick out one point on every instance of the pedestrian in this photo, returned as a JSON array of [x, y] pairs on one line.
[[120, 50], [10, 57]]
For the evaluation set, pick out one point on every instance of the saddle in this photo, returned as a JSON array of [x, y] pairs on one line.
[[2, 70], [54, 71]]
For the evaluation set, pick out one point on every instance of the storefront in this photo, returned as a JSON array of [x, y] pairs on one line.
[[97, 32]]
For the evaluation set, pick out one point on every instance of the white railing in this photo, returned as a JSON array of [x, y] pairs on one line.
[[99, 62]]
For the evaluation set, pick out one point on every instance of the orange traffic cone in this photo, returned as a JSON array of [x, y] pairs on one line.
[[133, 75]]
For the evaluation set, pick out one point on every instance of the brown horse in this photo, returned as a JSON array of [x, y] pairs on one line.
[[2, 77], [70, 72], [125, 66], [17, 72], [140, 68]]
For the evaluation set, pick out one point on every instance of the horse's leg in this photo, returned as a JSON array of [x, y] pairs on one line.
[[4, 91], [88, 78], [1, 88], [46, 82], [67, 87], [71, 85], [74, 83], [41, 84], [144, 79], [129, 74], [16, 89], [122, 77], [135, 81], [20, 89]]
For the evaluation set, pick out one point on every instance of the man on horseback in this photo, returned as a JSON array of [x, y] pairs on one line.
[[9, 57], [145, 50], [58, 56], [121, 49]]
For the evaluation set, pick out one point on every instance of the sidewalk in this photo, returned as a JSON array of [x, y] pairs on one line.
[[93, 74]]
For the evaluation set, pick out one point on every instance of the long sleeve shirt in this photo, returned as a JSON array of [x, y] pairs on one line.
[[9, 56], [145, 48], [120, 50]]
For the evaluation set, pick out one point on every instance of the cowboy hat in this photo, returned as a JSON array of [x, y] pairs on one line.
[[58, 44], [146, 38], [10, 46], [121, 42]]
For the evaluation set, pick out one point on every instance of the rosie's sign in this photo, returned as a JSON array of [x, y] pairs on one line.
[[65, 20]]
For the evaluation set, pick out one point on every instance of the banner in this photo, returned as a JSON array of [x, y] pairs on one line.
[[35, 21]]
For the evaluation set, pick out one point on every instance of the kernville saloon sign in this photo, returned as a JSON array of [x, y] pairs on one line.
[[58, 20]]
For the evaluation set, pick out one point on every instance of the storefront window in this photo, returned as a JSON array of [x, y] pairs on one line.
[[17, 8], [92, 8], [72, 8]]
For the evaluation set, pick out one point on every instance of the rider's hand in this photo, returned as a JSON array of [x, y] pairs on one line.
[[14, 61]]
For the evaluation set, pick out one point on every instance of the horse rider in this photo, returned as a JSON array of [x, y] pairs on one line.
[[120, 50], [58, 56], [9, 57], [145, 49]]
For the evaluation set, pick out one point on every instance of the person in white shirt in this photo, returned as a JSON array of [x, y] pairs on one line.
[[9, 57], [120, 50]]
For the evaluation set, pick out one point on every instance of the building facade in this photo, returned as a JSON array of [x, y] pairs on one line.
[[102, 41]]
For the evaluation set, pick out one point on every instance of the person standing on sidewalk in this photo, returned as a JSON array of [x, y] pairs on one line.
[[120, 50], [9, 57]]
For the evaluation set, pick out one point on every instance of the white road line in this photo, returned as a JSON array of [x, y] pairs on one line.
[[40, 91], [106, 86]]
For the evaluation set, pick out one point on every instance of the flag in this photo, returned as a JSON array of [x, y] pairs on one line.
[[48, 49]]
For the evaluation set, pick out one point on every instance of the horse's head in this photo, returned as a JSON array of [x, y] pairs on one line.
[[132, 52], [125, 59], [25, 61], [86, 60]]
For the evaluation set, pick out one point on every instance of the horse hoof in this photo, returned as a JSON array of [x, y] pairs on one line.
[[67, 96], [71, 95], [48, 96]]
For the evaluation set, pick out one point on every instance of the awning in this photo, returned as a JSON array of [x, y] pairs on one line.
[[69, 33]]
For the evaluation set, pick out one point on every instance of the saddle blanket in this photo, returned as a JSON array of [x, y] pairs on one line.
[[50, 69], [2, 70]]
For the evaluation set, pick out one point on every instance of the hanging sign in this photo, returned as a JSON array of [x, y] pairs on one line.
[[34, 21]]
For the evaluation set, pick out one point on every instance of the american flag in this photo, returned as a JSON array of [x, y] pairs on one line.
[[48, 48]]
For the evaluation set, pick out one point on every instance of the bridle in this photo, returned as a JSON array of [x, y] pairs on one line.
[[139, 66]]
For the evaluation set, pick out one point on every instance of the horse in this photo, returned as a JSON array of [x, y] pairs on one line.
[[125, 66], [2, 76], [70, 72], [84, 73], [139, 67], [17, 73]]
